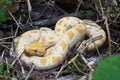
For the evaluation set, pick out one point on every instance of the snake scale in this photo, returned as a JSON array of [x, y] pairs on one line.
[[47, 48]]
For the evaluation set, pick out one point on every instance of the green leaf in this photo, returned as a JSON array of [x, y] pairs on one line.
[[5, 4], [3, 15], [108, 69], [1, 68], [73, 67], [8, 3], [84, 11], [19, 16], [9, 65], [1, 1]]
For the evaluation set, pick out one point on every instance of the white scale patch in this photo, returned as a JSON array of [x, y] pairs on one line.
[[65, 38]]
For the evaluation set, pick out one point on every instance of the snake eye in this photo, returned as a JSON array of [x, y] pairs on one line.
[[35, 51]]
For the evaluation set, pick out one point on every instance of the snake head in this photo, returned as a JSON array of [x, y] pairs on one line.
[[35, 49]]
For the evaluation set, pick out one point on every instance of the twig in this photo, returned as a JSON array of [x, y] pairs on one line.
[[5, 42], [14, 35], [29, 10], [78, 6], [78, 67], [14, 19], [98, 51], [7, 37], [86, 62], [100, 20], [102, 12], [29, 72], [73, 59], [60, 70], [7, 65], [66, 65], [22, 68], [117, 16], [117, 50], [96, 6], [3, 52], [107, 27], [109, 37], [115, 43], [29, 6], [6, 47], [18, 26], [69, 62], [17, 58]]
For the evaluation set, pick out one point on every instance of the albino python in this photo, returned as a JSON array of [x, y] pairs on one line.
[[47, 48]]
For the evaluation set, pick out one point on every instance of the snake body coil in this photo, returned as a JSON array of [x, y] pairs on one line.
[[68, 32]]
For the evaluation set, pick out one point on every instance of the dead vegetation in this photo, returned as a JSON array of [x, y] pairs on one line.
[[40, 13]]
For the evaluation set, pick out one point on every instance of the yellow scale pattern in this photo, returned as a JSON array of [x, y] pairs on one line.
[[32, 47]]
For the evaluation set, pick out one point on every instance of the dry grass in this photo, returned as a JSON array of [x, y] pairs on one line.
[[108, 16]]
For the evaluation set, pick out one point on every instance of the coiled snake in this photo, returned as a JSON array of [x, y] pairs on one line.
[[47, 48]]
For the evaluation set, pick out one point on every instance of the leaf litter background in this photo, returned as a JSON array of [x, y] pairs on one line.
[[46, 13]]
